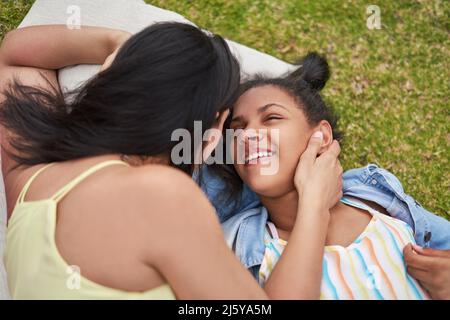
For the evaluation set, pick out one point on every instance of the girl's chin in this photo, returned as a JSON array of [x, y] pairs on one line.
[[263, 186], [267, 185]]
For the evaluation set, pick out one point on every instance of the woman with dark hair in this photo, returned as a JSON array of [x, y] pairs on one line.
[[359, 242], [96, 206]]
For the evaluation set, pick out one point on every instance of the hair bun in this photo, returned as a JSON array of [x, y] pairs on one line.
[[313, 69]]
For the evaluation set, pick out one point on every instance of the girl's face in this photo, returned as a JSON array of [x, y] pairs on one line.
[[276, 131]]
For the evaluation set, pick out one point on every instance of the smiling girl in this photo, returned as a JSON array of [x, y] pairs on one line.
[[359, 246]]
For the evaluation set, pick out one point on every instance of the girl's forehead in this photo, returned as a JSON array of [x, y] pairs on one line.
[[256, 97]]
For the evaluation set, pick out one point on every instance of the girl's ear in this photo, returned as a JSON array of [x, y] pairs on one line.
[[325, 127]]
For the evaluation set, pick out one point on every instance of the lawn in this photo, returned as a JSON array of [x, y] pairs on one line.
[[389, 85]]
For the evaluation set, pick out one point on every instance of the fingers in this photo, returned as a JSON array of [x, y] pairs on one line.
[[431, 281], [433, 272], [226, 113], [340, 169], [418, 261], [419, 274], [432, 252], [331, 155], [340, 193], [313, 148], [409, 254], [334, 149], [337, 199]]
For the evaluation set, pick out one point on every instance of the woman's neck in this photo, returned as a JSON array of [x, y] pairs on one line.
[[134, 160], [282, 211]]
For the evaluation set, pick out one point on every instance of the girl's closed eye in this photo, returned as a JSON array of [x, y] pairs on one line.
[[272, 118]]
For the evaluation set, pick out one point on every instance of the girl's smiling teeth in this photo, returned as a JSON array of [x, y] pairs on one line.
[[255, 156]]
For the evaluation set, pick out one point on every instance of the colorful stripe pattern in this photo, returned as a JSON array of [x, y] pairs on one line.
[[372, 267]]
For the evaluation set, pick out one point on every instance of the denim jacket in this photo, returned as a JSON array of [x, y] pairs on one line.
[[244, 223]]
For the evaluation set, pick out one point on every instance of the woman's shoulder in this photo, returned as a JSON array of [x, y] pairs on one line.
[[159, 179], [161, 188], [167, 206]]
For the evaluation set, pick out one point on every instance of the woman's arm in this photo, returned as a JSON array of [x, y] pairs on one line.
[[56, 46], [31, 55], [183, 239], [318, 180], [298, 273]]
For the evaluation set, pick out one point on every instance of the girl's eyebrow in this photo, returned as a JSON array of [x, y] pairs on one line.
[[261, 110], [267, 106]]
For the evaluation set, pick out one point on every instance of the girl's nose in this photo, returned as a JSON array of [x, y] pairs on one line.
[[254, 140], [252, 135]]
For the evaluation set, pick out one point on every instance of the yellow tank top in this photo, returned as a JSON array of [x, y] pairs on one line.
[[34, 266]]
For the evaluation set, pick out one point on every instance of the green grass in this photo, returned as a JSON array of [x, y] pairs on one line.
[[390, 86]]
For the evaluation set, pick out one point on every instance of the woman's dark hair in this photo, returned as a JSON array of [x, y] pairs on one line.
[[163, 78], [304, 84]]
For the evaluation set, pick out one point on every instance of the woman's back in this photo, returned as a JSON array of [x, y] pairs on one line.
[[75, 213], [123, 231]]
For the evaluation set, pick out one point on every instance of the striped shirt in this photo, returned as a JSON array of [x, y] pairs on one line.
[[372, 267]]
